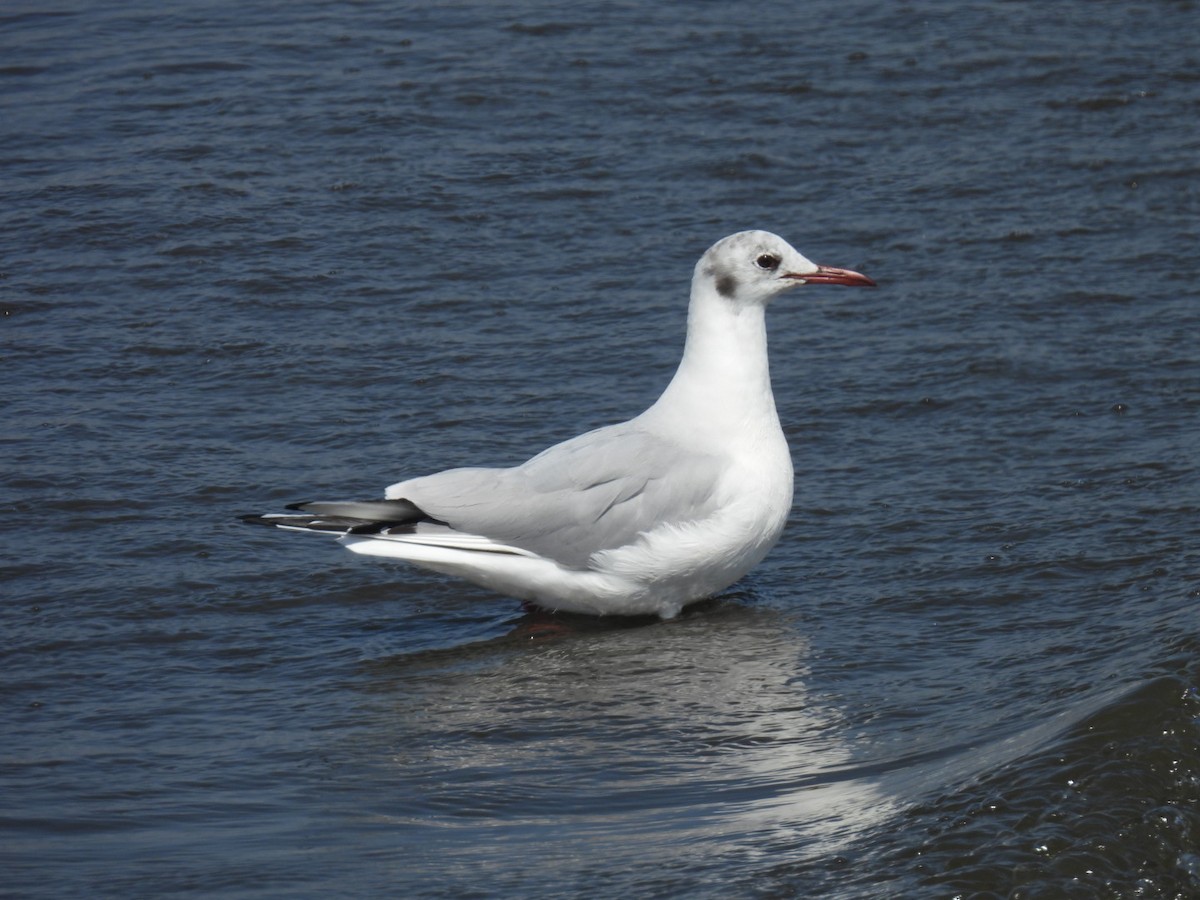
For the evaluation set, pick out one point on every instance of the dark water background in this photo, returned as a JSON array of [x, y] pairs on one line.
[[253, 253]]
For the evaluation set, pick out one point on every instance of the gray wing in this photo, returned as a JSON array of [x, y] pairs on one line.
[[594, 492]]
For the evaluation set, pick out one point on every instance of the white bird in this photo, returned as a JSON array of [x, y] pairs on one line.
[[643, 517]]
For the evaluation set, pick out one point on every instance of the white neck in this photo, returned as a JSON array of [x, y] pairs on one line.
[[723, 384]]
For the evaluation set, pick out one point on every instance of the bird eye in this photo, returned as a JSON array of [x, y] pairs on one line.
[[767, 261]]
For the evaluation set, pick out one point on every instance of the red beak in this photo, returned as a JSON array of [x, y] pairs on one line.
[[830, 275]]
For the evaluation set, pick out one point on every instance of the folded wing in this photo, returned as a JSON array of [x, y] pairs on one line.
[[595, 492]]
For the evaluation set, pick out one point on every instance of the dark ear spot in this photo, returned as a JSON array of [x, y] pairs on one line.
[[727, 285]]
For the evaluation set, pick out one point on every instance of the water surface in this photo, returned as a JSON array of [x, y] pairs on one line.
[[260, 253]]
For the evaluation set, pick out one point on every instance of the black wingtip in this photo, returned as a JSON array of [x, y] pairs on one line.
[[255, 519], [344, 516]]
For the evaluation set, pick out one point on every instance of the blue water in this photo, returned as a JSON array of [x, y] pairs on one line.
[[257, 253]]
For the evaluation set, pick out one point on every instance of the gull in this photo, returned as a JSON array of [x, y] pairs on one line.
[[639, 518]]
